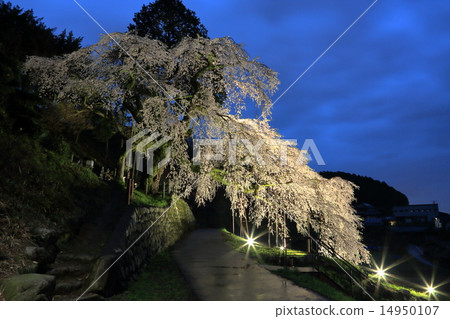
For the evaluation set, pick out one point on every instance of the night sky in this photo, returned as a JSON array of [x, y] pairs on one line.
[[376, 104]]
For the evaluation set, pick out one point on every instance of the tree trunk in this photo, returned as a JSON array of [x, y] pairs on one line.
[[232, 222], [122, 163], [309, 239], [277, 243], [246, 224], [156, 181], [241, 228]]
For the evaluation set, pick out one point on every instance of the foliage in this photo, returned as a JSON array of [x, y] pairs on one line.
[[65, 120], [161, 280], [413, 292], [23, 34], [197, 74], [42, 180], [141, 200], [371, 191], [168, 21], [198, 89], [310, 282]]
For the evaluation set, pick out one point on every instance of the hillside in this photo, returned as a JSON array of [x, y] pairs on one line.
[[41, 185], [371, 191]]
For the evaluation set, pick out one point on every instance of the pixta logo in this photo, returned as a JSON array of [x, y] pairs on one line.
[[218, 145], [150, 143]]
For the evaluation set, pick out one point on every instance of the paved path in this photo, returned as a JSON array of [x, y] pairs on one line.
[[216, 272]]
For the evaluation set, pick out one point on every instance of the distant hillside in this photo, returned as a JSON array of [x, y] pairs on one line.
[[376, 193]]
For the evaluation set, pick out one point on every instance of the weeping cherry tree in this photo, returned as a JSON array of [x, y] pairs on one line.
[[197, 90]]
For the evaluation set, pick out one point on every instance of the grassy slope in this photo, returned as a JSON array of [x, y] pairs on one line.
[[140, 199], [161, 280], [305, 280], [38, 188], [273, 256]]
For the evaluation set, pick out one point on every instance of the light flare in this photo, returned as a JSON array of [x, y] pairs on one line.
[[381, 273]]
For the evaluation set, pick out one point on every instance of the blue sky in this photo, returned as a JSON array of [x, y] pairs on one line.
[[377, 104]]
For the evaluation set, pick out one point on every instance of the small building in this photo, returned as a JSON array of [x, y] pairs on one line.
[[416, 214], [444, 219], [371, 216], [373, 221], [365, 209]]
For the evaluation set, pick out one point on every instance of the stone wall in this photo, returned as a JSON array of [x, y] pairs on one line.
[[148, 231]]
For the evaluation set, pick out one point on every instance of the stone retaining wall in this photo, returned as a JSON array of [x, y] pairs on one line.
[[152, 230]]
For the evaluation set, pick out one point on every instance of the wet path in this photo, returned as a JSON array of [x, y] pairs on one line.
[[216, 272]]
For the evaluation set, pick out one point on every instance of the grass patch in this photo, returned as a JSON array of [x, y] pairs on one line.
[[161, 280], [398, 287], [263, 254], [413, 292], [308, 281], [140, 199]]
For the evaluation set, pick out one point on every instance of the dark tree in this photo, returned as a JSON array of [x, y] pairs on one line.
[[168, 21], [23, 34]]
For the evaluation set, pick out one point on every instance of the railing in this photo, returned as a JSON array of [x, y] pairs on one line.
[[352, 270]]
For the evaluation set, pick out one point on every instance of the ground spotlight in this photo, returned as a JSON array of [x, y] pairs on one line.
[[281, 247], [381, 273], [250, 241], [430, 290]]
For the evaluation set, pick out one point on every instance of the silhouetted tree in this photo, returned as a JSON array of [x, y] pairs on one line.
[[168, 21], [23, 34], [17, 108]]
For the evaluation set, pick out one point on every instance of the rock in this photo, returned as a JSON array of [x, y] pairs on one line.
[[43, 256], [34, 268], [36, 253], [63, 298], [83, 258], [65, 287], [92, 297], [68, 270], [28, 287], [44, 236], [103, 284]]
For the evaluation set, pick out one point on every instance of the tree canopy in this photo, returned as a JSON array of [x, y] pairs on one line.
[[24, 34], [168, 21], [197, 90]]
